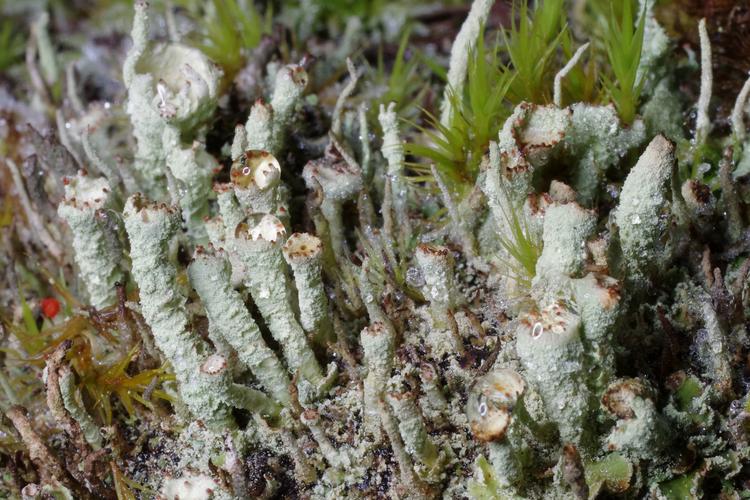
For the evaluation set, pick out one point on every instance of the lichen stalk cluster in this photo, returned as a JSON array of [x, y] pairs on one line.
[[273, 281]]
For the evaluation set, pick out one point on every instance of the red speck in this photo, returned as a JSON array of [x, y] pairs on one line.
[[50, 307]]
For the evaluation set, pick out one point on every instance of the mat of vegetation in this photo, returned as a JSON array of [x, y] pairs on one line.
[[374, 249]]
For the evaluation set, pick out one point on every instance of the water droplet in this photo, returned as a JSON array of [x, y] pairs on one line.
[[537, 331], [414, 277], [482, 408]]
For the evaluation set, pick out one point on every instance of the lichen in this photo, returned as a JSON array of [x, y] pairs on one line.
[[268, 276]]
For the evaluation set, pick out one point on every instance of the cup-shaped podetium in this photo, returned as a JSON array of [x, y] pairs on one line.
[[255, 168], [491, 402]]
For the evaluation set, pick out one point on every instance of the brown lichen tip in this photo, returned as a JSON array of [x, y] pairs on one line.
[[491, 403], [255, 168], [149, 211], [302, 246], [608, 291], [402, 395], [375, 329], [696, 191], [553, 319], [298, 74], [538, 203], [540, 127], [222, 187], [429, 250], [619, 396], [83, 192], [309, 416], [204, 252], [214, 364]]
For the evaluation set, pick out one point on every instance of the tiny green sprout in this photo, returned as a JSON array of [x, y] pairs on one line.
[[101, 382], [124, 486], [12, 45], [685, 486], [623, 40], [486, 486], [456, 149], [581, 83], [402, 85], [230, 31], [521, 241]]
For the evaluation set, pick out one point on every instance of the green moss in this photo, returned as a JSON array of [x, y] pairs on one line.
[[623, 41], [531, 45]]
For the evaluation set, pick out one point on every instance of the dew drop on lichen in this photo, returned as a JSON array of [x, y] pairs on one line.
[[537, 330], [414, 277], [482, 408]]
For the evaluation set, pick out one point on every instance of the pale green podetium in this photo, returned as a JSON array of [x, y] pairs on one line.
[[429, 459], [202, 378], [304, 253], [640, 432], [436, 263], [289, 84], [595, 141], [167, 84], [267, 125], [643, 201], [566, 229], [393, 152], [73, 403], [598, 300], [460, 50], [340, 182], [231, 212], [192, 167], [378, 345], [98, 254], [493, 408], [258, 249], [229, 318], [258, 130], [336, 457], [549, 346]]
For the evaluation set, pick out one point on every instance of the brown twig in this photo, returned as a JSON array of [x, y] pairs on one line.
[[49, 467]]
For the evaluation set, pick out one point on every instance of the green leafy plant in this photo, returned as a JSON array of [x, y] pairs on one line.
[[623, 40], [403, 85], [230, 31], [531, 45], [93, 356], [521, 242], [582, 83], [457, 149], [11, 45], [103, 381]]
